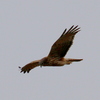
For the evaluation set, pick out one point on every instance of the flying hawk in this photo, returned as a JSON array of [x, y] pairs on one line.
[[57, 52]]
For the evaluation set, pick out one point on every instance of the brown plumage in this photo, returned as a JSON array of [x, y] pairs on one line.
[[57, 52]]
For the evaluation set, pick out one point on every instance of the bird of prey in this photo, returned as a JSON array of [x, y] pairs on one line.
[[57, 52]]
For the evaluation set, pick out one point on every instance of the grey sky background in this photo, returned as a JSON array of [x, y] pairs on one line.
[[28, 29]]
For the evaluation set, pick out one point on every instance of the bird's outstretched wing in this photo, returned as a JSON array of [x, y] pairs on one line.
[[29, 66], [62, 45]]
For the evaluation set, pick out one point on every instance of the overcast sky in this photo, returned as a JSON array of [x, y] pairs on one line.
[[28, 29]]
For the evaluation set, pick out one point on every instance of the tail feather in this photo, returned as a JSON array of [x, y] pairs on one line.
[[74, 60]]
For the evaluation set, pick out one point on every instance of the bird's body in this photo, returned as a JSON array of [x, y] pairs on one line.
[[57, 52], [47, 61]]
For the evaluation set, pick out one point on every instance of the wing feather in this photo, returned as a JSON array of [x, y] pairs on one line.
[[62, 45], [29, 66]]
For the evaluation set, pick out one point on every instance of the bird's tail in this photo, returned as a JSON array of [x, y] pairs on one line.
[[74, 60], [70, 60]]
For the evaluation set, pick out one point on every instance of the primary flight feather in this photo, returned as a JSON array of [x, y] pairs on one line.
[[57, 52]]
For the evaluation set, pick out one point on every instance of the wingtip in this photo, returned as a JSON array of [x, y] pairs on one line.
[[75, 26], [19, 67], [64, 30], [21, 70]]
